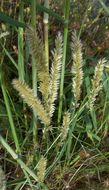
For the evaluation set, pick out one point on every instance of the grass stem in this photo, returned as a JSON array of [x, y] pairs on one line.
[[45, 21], [34, 71], [21, 45], [66, 16]]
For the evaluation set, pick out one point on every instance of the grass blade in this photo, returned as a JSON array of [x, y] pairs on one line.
[[11, 21]]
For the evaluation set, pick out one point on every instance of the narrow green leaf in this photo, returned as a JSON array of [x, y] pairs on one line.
[[11, 21], [106, 8], [41, 8]]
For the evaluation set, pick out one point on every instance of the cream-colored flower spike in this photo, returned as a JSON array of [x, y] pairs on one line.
[[55, 73], [77, 66], [65, 126], [41, 168], [96, 82], [37, 50], [27, 94]]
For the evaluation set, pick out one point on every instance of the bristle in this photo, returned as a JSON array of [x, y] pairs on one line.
[[55, 73], [96, 82], [41, 169], [27, 94], [77, 66]]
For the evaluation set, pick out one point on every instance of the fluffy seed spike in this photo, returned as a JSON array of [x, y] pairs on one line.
[[37, 49], [77, 66], [41, 169], [55, 73], [96, 82], [27, 94], [65, 126], [2, 180]]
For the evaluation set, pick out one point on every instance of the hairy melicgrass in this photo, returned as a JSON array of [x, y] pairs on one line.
[[55, 73], [80, 128], [65, 126], [48, 84], [37, 49], [96, 82], [27, 94], [77, 66], [2, 179], [41, 169]]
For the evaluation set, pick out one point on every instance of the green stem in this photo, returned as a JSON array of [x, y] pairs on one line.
[[66, 15], [34, 72], [45, 21], [21, 45], [21, 71], [46, 46]]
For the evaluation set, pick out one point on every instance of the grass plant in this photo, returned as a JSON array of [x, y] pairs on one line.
[[60, 140]]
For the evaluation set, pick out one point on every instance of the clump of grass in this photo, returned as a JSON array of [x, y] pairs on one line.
[[72, 130], [48, 83]]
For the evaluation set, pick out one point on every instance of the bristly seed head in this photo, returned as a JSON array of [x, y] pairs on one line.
[[2, 180], [41, 169], [27, 94], [55, 73], [65, 126], [96, 82], [77, 66]]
